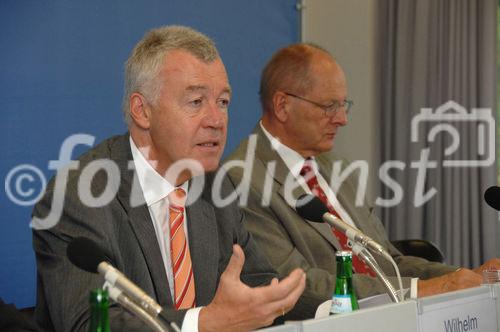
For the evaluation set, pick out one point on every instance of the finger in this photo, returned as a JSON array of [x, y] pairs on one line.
[[293, 296], [492, 264], [277, 292], [235, 265], [283, 305], [275, 281], [295, 278]]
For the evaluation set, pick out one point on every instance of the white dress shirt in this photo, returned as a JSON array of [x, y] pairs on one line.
[[156, 189]]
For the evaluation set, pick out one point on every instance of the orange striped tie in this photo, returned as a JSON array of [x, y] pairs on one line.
[[179, 251]]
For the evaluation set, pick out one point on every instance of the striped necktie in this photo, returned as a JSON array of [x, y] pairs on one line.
[[179, 252], [307, 172]]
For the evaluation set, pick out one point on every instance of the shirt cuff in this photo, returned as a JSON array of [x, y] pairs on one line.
[[414, 288], [190, 322]]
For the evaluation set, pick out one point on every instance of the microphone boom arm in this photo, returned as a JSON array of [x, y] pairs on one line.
[[365, 255], [88, 256], [361, 243], [152, 321], [313, 209]]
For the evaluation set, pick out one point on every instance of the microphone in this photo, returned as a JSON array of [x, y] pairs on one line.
[[312, 208], [492, 197], [88, 256]]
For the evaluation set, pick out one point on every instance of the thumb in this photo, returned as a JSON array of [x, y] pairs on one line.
[[235, 265]]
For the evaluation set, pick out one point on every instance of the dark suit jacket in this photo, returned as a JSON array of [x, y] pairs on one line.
[[290, 241], [127, 234]]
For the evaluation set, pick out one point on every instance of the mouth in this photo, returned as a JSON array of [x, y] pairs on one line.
[[210, 145]]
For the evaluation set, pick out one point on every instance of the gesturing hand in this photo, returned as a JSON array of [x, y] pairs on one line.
[[238, 307]]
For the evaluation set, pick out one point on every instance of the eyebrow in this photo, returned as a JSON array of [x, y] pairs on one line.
[[205, 88]]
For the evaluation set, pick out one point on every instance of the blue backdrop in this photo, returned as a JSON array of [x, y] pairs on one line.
[[61, 73]]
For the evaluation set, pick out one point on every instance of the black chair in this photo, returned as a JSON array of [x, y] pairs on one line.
[[420, 248]]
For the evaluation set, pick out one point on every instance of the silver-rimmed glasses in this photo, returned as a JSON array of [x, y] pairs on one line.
[[330, 109]]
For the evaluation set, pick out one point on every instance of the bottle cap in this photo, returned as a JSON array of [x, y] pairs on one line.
[[343, 253]]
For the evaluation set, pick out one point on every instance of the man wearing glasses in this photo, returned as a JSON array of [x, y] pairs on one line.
[[304, 99]]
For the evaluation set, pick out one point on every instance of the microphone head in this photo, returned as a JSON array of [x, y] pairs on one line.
[[311, 208], [85, 254], [492, 197]]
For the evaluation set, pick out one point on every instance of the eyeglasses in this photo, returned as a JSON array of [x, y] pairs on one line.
[[330, 109]]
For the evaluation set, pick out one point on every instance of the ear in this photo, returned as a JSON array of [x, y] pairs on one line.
[[280, 106], [140, 112]]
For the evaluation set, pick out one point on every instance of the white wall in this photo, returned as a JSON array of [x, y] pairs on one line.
[[347, 29]]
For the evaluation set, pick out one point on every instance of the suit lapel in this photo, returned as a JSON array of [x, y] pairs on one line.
[[266, 154], [140, 221], [204, 250]]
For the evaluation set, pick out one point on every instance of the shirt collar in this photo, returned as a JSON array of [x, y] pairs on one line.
[[293, 160], [153, 185]]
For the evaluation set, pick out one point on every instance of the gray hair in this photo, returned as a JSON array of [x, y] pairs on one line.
[[145, 61]]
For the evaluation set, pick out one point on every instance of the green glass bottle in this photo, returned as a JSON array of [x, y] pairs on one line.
[[344, 299], [99, 303]]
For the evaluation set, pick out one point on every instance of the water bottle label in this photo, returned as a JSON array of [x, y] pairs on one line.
[[341, 304]]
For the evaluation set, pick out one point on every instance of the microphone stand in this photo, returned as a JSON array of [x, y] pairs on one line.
[[365, 255], [152, 321]]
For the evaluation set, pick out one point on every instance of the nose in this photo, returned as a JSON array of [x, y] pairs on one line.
[[340, 117], [214, 117]]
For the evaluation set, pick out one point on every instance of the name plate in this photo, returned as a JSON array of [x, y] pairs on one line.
[[463, 311]]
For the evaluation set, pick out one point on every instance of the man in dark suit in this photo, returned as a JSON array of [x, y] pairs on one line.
[[304, 100], [193, 256]]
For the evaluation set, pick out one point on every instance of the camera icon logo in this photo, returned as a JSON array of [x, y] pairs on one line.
[[478, 122]]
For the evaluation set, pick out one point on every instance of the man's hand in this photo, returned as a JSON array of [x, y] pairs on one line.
[[492, 264], [237, 307], [460, 279]]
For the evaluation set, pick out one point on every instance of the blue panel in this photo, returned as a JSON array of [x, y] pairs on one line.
[[61, 73]]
